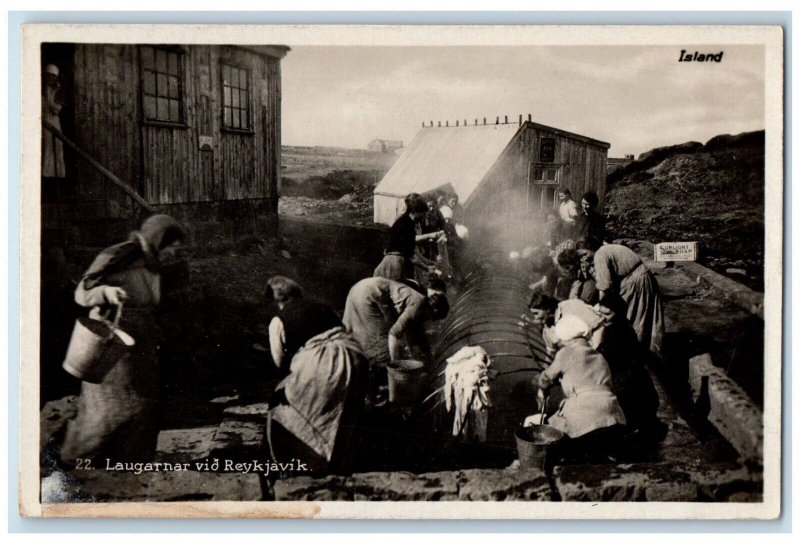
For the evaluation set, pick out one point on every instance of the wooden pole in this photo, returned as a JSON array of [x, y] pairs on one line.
[[127, 189]]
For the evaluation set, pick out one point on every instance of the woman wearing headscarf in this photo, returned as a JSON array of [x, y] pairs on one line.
[[315, 409], [117, 417], [590, 409]]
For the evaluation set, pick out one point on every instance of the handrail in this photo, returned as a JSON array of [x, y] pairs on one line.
[[127, 189]]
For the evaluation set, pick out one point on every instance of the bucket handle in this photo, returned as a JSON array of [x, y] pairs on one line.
[[114, 325]]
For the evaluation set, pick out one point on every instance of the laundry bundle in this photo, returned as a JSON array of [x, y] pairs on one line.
[[466, 391]]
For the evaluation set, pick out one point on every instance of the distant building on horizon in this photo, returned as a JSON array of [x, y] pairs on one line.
[[391, 147]]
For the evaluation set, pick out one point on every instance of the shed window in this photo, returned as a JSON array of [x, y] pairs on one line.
[[235, 98], [547, 150], [542, 186], [162, 85]]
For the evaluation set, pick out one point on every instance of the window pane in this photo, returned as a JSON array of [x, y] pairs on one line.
[[226, 117], [235, 119], [235, 99], [173, 63], [243, 79], [173, 87], [537, 174], [226, 91], [161, 87], [551, 175], [149, 107], [161, 60], [226, 74], [243, 99], [174, 111], [162, 112], [147, 57], [149, 82]]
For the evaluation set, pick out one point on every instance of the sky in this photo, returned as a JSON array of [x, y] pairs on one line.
[[633, 97]]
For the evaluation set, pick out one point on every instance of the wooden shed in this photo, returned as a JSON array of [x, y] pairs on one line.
[[190, 128], [495, 169]]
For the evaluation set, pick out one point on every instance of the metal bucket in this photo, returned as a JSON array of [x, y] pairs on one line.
[[536, 444], [95, 347], [405, 381]]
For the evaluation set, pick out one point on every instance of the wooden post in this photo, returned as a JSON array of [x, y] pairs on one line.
[[440, 123], [447, 123], [476, 122], [529, 117], [456, 122], [520, 119], [497, 120], [484, 120], [505, 122]]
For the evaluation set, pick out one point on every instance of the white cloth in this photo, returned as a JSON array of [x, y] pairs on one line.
[[466, 391], [570, 327], [277, 340], [462, 232], [447, 212], [568, 211]]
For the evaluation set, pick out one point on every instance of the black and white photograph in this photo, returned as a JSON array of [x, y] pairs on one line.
[[487, 272]]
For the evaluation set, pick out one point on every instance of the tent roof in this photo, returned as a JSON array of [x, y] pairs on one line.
[[437, 156]]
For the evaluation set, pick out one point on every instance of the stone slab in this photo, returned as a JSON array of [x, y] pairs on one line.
[[729, 408], [306, 488], [405, 486], [503, 485], [183, 445], [657, 482]]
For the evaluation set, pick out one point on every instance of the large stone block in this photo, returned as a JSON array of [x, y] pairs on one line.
[[504, 485], [306, 488], [405, 486], [729, 408]]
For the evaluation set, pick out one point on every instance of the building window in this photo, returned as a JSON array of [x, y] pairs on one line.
[[235, 98], [547, 150], [542, 186], [162, 85]]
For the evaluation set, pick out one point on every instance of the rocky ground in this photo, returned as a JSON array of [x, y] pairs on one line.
[[712, 193]]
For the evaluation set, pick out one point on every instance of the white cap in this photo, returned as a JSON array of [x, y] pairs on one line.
[[51, 69]]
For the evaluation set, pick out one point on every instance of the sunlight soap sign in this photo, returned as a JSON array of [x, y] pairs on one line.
[[675, 251]]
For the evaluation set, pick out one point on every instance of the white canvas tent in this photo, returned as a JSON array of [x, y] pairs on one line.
[[439, 156]]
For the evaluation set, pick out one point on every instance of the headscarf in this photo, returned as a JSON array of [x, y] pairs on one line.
[[157, 232], [570, 327]]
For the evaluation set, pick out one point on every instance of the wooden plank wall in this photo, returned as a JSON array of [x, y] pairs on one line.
[[166, 164], [504, 191]]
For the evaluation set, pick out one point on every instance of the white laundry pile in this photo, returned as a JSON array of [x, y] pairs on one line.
[[466, 391]]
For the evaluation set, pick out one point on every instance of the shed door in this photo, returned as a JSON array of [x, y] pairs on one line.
[[543, 180]]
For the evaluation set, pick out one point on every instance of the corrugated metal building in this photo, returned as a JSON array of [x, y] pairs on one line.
[[494, 169], [186, 126]]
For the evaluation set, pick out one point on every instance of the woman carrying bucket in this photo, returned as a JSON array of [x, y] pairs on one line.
[[315, 409], [117, 416]]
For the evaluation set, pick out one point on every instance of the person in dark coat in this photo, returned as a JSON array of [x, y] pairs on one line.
[[401, 255], [591, 225]]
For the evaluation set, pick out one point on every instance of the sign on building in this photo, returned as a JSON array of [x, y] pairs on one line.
[[675, 251]]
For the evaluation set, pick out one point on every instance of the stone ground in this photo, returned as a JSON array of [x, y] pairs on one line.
[[693, 462]]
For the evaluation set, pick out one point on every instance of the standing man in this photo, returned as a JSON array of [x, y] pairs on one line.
[[569, 213]]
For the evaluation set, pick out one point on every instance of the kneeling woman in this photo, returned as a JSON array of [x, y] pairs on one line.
[[589, 414], [315, 409]]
